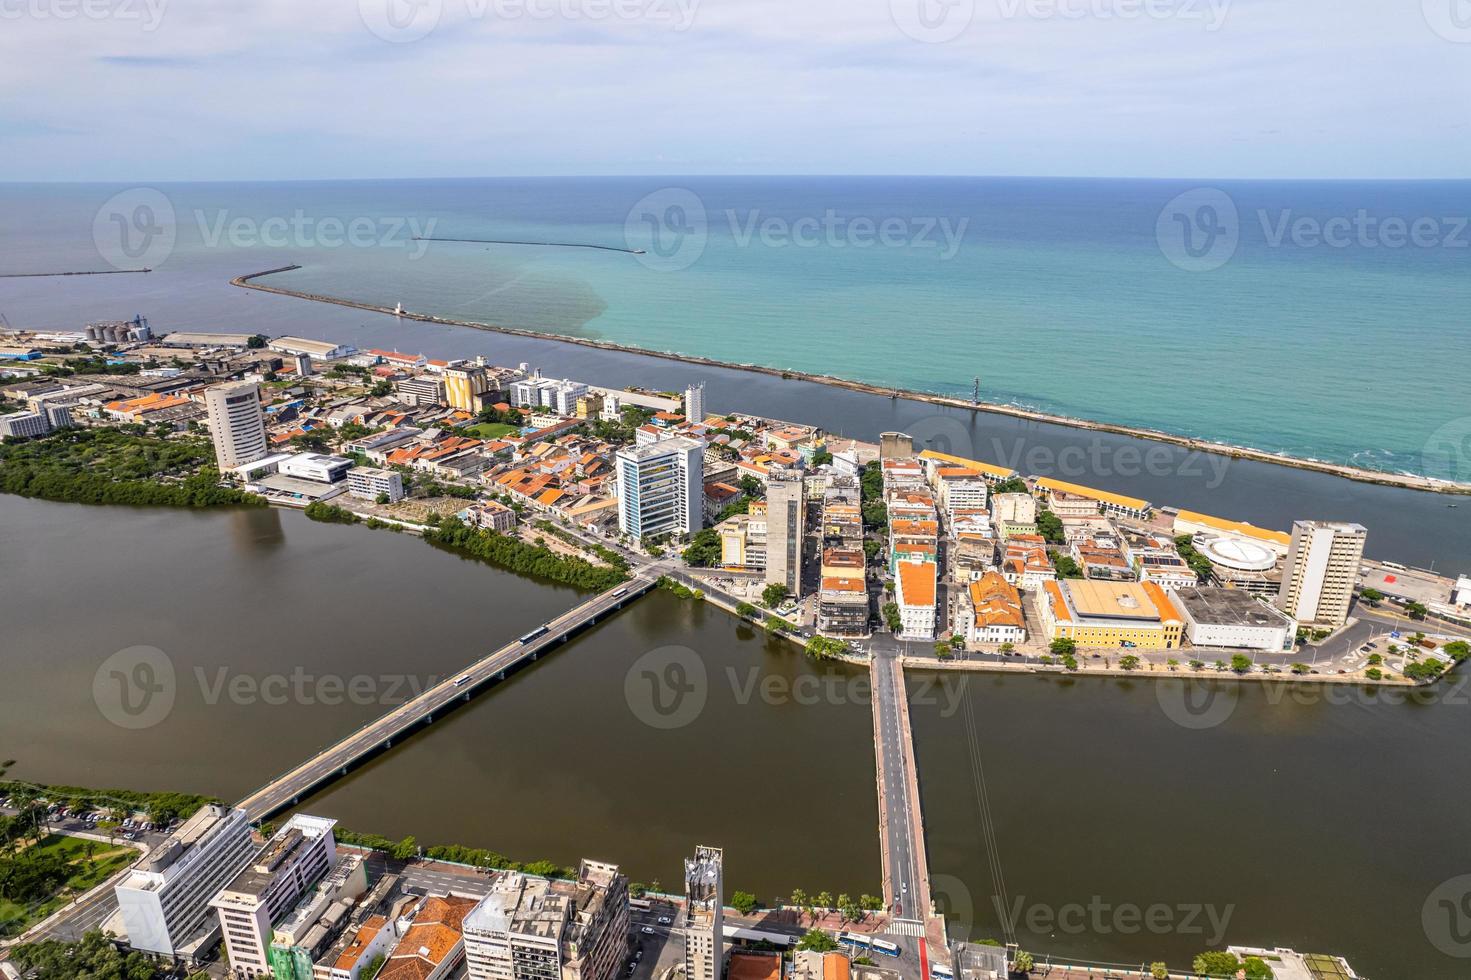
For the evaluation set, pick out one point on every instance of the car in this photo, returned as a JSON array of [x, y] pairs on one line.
[[664, 920], [130, 836], [647, 930]]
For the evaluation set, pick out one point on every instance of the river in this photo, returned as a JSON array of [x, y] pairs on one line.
[[1318, 823]]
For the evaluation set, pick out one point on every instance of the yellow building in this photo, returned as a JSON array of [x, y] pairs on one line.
[[463, 386], [1116, 615]]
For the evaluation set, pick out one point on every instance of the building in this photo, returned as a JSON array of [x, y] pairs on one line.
[[489, 515], [421, 391], [1014, 513], [165, 898], [464, 384], [703, 919], [317, 467], [300, 854], [237, 424], [989, 471], [33, 425], [743, 538], [1126, 615], [370, 483], [915, 593], [1113, 504], [1241, 563], [533, 929], [1216, 617], [319, 350], [842, 606], [1461, 594], [694, 402], [661, 488], [1192, 523], [786, 527], [1321, 570], [321, 914], [995, 611], [895, 445], [434, 944]]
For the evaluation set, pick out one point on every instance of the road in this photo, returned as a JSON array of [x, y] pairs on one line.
[[905, 890], [286, 790]]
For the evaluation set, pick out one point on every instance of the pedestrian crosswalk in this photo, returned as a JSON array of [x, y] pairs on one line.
[[906, 927]]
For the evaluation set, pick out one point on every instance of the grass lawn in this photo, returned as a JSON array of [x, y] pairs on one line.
[[87, 873], [490, 430]]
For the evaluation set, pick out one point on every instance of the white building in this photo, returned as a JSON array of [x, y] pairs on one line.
[[915, 593], [319, 350], [32, 425], [1014, 508], [703, 919], [786, 529], [1321, 571], [369, 482], [300, 854], [237, 424], [1461, 595], [661, 488], [317, 467], [694, 402], [1233, 618], [165, 899], [533, 929]]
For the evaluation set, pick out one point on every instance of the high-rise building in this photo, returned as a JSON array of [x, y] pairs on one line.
[[703, 914], [237, 424], [464, 384], [165, 899], [661, 488], [1321, 570], [786, 525], [694, 402], [534, 929], [293, 861], [895, 445]]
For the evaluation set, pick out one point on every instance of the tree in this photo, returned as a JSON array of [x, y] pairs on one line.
[[1172, 663], [1375, 660], [1374, 674], [942, 650], [256, 341], [1216, 963], [704, 549], [1066, 567], [1129, 662], [750, 486], [1008, 648], [892, 619], [744, 902], [1300, 668], [1021, 962], [821, 457], [1416, 610], [849, 908], [1063, 646], [773, 595], [382, 498], [1457, 650], [405, 849], [870, 903], [1196, 664], [824, 900], [817, 941], [1049, 525], [94, 958], [1159, 971], [1372, 596], [746, 609], [799, 898], [1240, 663]]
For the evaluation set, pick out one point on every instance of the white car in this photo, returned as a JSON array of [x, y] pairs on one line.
[[647, 930]]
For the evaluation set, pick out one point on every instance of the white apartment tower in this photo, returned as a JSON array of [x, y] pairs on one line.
[[300, 854], [661, 488], [704, 902], [165, 899], [533, 929], [237, 424], [786, 524], [694, 402], [1321, 570]]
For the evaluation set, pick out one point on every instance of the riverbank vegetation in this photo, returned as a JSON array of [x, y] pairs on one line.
[[96, 957], [117, 466], [516, 555], [478, 857]]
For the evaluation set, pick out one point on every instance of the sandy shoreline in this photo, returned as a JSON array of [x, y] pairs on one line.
[[1199, 445]]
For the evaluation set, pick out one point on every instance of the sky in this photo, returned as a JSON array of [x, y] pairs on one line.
[[132, 90]]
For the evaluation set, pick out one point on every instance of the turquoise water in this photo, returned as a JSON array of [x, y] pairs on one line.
[[1059, 294]]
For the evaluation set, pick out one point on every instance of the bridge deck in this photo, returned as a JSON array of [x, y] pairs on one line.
[[378, 735]]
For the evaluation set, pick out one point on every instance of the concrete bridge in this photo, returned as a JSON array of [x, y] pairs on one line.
[[380, 735], [901, 823]]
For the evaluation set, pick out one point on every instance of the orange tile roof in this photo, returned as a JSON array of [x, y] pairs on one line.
[[996, 601], [916, 529], [437, 929], [843, 585], [917, 582], [372, 925], [754, 966], [1162, 603]]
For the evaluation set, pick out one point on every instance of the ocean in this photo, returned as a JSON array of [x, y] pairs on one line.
[[1325, 320]]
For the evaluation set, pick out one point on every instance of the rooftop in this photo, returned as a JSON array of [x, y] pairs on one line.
[[1230, 607]]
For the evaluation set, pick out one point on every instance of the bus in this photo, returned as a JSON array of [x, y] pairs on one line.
[[641, 904], [885, 947], [619, 593], [855, 939], [940, 971], [539, 631]]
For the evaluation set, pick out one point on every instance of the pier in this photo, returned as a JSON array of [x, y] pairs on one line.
[[336, 760], [84, 272]]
